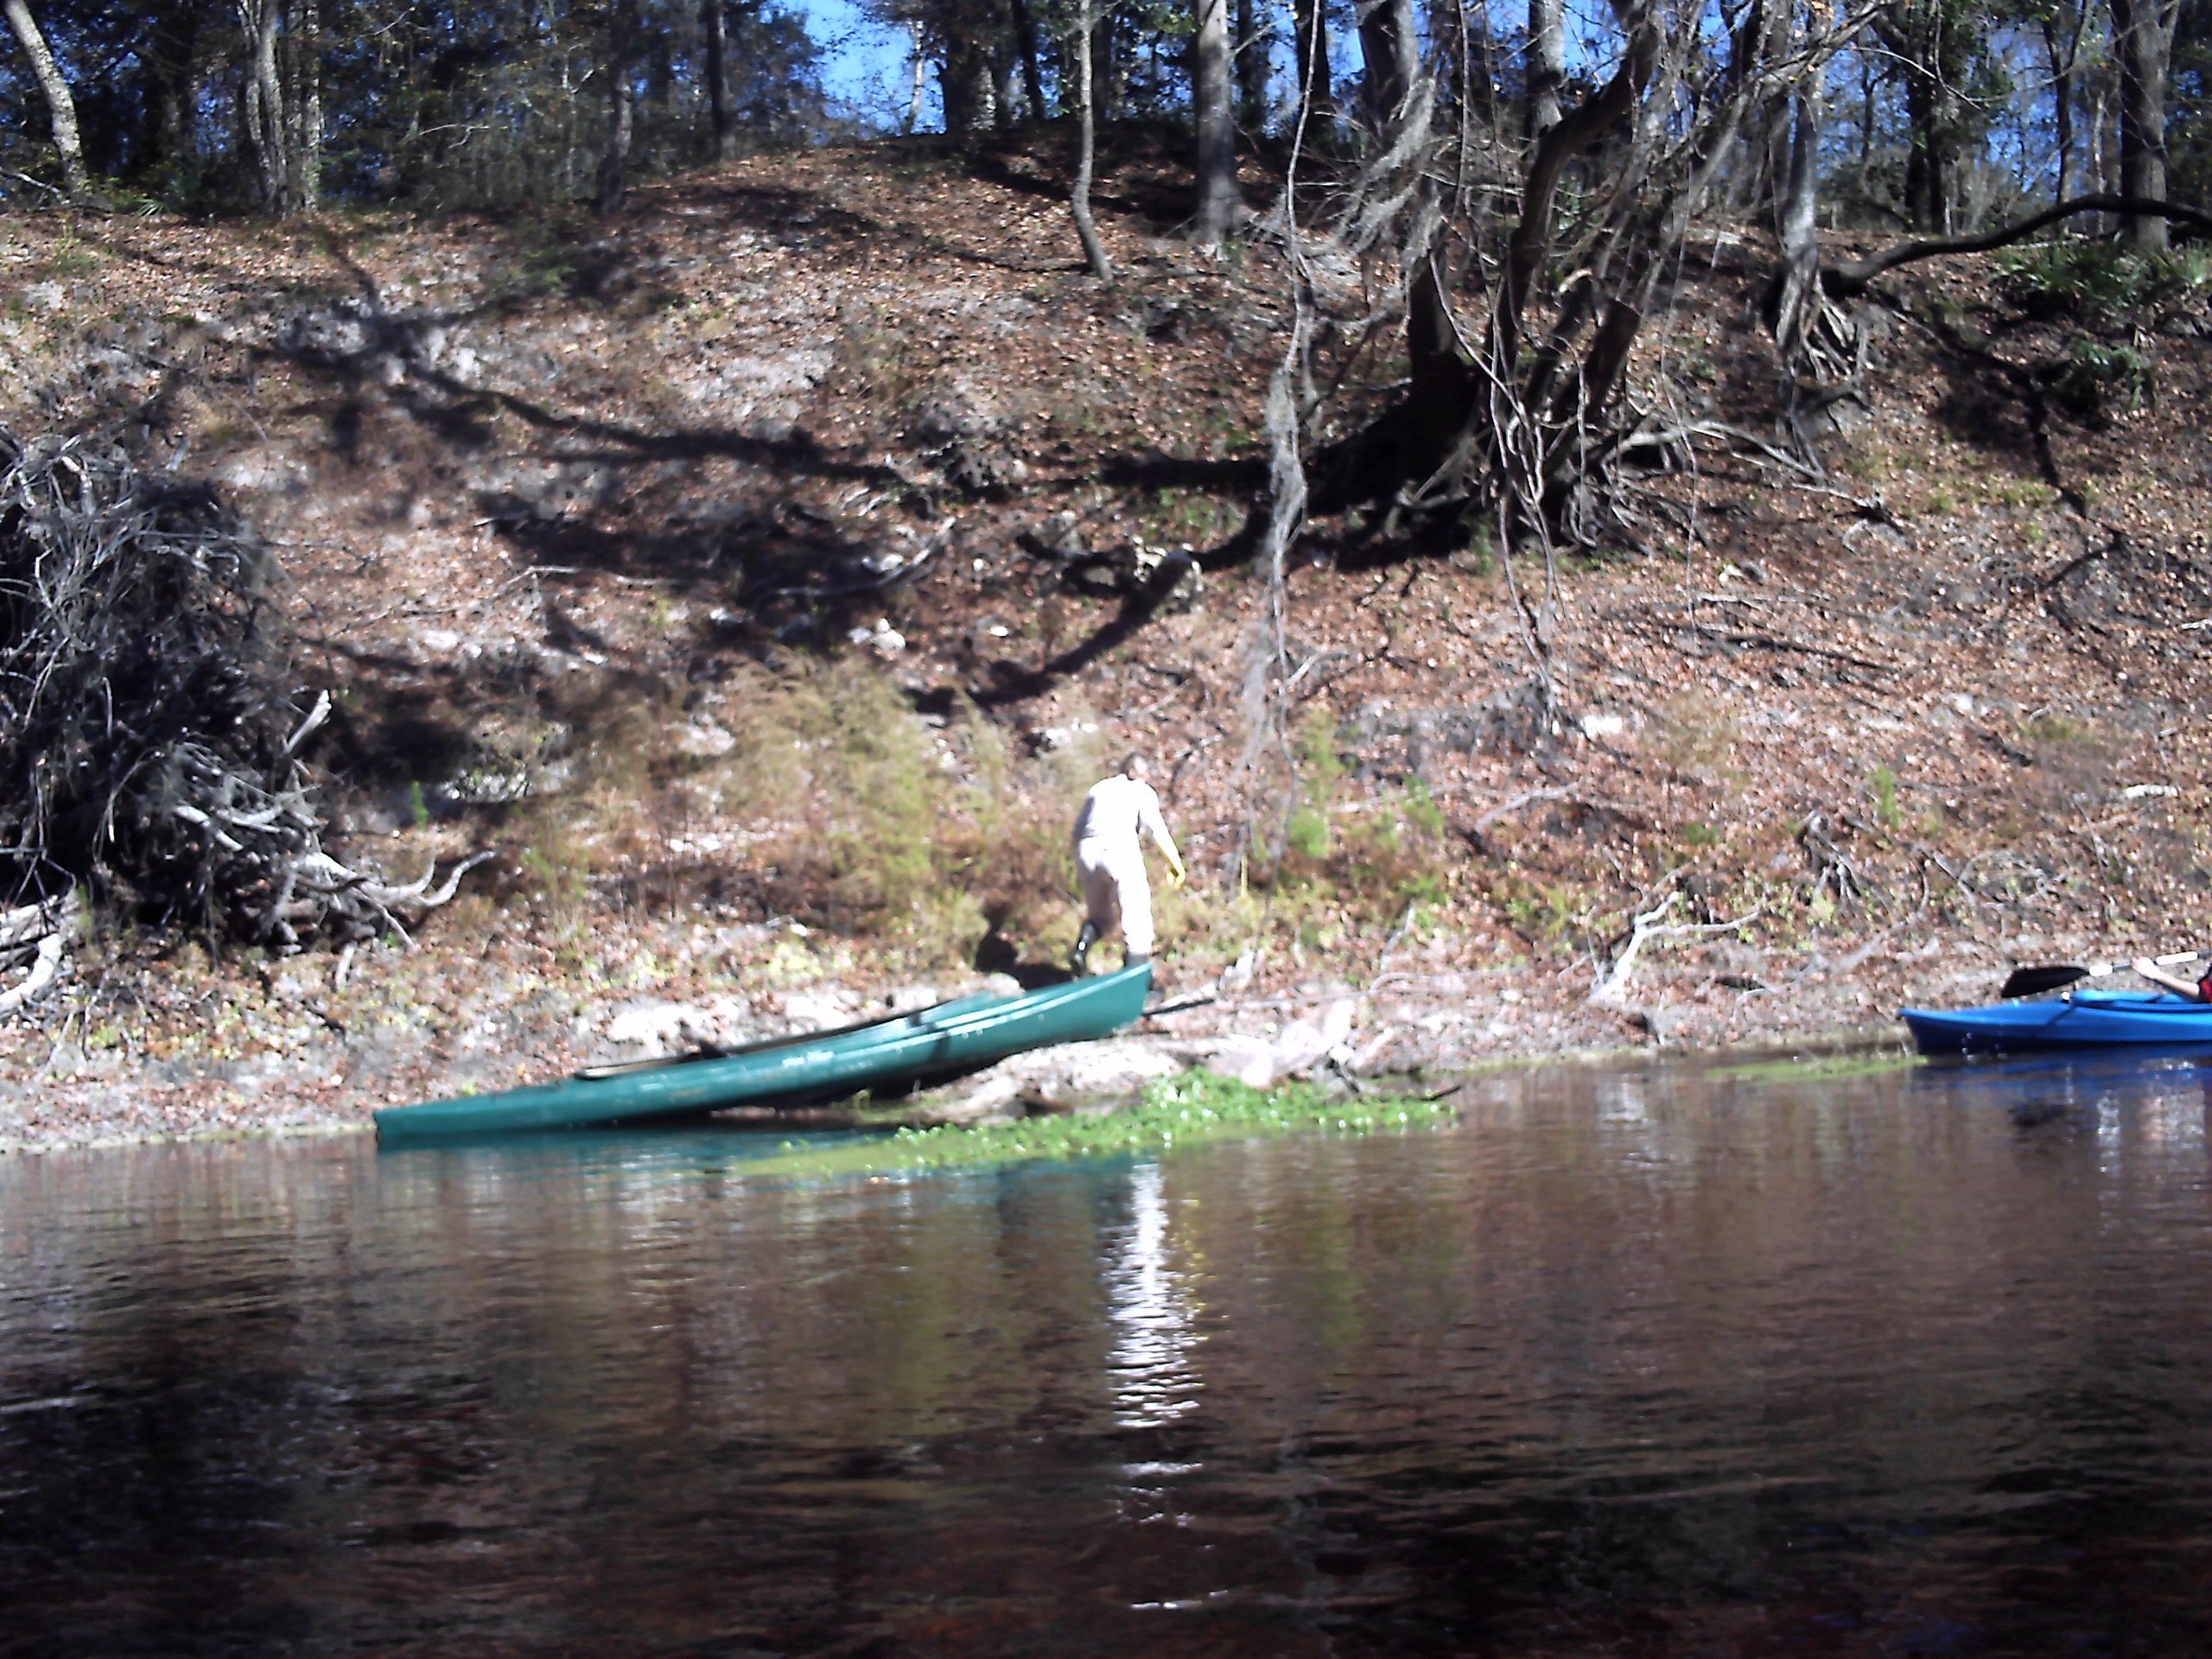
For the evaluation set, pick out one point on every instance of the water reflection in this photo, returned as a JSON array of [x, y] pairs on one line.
[[1148, 1304], [1632, 1362]]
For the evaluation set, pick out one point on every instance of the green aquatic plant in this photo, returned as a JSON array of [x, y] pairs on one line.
[[1825, 1068], [1195, 1108]]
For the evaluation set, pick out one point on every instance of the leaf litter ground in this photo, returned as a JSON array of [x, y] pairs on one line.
[[552, 499]]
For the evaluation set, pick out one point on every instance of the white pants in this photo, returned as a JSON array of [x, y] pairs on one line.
[[1113, 885]]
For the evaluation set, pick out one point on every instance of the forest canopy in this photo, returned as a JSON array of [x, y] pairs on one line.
[[285, 105], [1940, 114]]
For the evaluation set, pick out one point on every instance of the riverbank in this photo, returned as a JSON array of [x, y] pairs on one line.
[[761, 607], [285, 1052]]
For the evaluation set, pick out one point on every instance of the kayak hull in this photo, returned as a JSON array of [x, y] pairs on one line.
[[2081, 1019], [890, 1055]]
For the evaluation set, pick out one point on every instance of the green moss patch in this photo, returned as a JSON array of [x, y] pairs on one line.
[[1182, 1111]]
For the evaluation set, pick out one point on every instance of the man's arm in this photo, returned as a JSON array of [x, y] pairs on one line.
[[1152, 823], [2151, 971]]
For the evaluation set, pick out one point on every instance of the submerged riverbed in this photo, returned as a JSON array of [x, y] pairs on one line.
[[1661, 1361]]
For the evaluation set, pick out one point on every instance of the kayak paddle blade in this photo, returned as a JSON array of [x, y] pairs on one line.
[[2034, 982]]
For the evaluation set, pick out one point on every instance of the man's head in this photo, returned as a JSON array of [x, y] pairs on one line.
[[1132, 767]]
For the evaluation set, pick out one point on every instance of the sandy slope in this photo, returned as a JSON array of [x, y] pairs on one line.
[[562, 505]]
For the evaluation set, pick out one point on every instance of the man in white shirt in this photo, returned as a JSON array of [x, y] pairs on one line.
[[1110, 858]]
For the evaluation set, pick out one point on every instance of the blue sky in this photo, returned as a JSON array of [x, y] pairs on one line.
[[868, 66], [863, 63]]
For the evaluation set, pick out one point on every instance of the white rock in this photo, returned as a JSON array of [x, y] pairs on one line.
[[650, 1029], [1305, 1043], [704, 739], [1058, 737], [1064, 1078], [657, 1027], [1249, 1060], [819, 1010], [882, 638]]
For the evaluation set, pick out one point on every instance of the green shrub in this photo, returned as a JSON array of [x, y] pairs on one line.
[[2066, 277], [2092, 382], [1308, 834], [1374, 862], [1882, 786], [1423, 815], [2097, 281], [2174, 277]]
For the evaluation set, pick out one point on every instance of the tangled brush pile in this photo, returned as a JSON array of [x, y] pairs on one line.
[[150, 749]]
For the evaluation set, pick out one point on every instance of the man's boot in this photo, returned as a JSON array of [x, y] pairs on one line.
[[1083, 941]]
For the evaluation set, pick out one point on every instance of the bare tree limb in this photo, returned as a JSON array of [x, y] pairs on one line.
[[1849, 277]]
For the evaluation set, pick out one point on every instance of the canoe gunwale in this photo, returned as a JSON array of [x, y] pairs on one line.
[[765, 1045], [896, 1052]]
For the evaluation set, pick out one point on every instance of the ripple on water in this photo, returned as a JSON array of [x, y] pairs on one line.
[[1655, 1361]]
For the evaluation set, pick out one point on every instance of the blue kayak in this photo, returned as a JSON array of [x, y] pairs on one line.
[[2077, 1019]]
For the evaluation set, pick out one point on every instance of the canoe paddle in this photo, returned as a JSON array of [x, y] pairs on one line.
[[2034, 982]]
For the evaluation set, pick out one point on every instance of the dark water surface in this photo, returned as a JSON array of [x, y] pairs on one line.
[[1654, 1362]]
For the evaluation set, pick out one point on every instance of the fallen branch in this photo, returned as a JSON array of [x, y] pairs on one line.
[[1752, 641], [53, 926], [44, 971], [150, 744], [1849, 277], [27, 924], [1505, 809], [1648, 926]]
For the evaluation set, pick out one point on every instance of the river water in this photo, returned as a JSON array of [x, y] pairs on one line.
[[1651, 1363]]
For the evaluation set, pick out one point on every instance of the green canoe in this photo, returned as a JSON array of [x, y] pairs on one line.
[[888, 1054]]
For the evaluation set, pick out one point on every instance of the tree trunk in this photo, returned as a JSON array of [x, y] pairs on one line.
[[2062, 60], [1099, 49], [1865, 127], [1219, 206], [61, 107], [1316, 82], [1798, 299], [1251, 66], [614, 166], [1931, 45], [1920, 189], [1003, 97], [963, 81], [1033, 71], [2101, 170], [1545, 71], [267, 122], [173, 41], [2142, 36], [714, 24], [1094, 250], [303, 155], [921, 78], [1391, 53]]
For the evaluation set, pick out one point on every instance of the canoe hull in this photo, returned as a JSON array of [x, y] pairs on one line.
[[2082, 1021], [892, 1055]]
